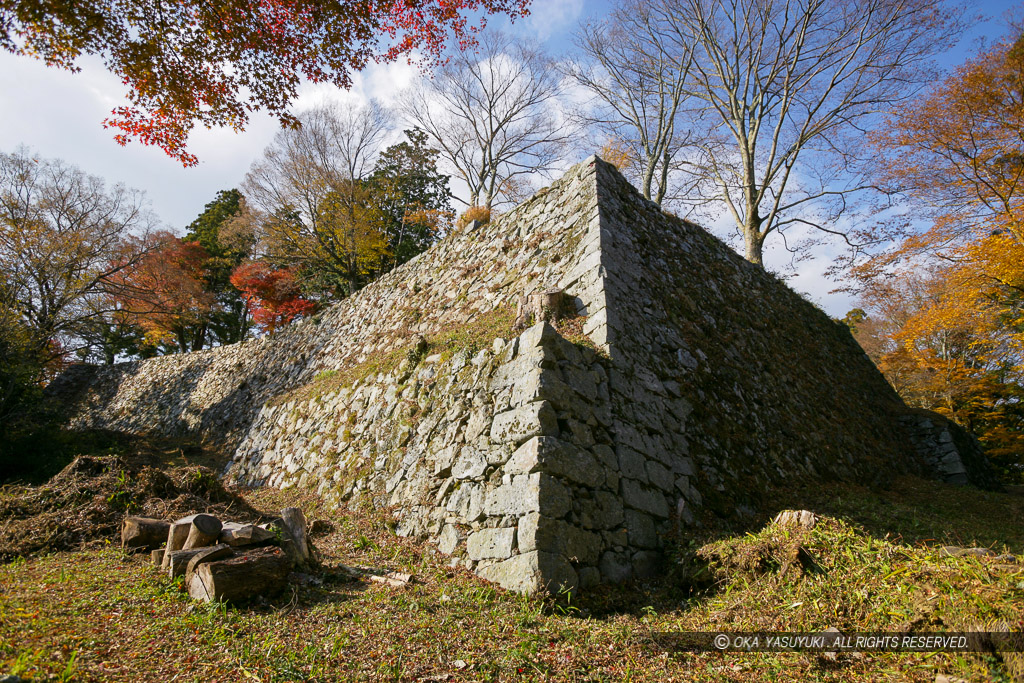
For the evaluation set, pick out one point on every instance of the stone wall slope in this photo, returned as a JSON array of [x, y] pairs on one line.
[[539, 462]]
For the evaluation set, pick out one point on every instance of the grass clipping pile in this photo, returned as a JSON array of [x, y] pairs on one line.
[[85, 503]]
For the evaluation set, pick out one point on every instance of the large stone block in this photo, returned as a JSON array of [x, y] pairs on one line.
[[519, 424], [487, 544], [537, 532], [532, 572], [553, 456], [645, 498], [529, 493]]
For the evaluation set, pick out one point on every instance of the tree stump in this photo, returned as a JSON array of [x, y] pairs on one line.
[[263, 571], [221, 551], [295, 524], [143, 533], [177, 534], [176, 561], [204, 531], [157, 556]]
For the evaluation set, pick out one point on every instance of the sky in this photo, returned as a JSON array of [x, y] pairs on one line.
[[57, 114]]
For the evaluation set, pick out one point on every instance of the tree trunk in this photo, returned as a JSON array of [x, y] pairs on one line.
[[143, 533], [258, 572], [176, 561], [295, 523], [177, 534], [204, 531], [753, 240], [221, 551]]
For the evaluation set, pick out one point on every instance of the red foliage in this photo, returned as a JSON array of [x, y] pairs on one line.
[[273, 294], [213, 63]]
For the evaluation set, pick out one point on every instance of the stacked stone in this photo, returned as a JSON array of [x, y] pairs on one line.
[[537, 463], [215, 394]]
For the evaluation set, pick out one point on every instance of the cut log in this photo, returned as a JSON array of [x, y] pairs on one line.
[[177, 561], [176, 536], [143, 533], [263, 571], [204, 531], [295, 524], [221, 551], [395, 579], [157, 556], [235, 534]]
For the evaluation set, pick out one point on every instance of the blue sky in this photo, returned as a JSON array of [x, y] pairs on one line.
[[58, 114]]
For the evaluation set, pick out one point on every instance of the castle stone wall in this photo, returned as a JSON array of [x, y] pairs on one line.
[[537, 462]]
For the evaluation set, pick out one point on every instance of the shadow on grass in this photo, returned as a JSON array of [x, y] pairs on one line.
[[913, 512]]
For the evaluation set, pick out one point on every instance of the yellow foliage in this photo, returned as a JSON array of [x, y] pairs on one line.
[[474, 213], [615, 152]]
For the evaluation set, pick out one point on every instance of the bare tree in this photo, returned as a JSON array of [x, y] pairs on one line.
[[493, 115], [63, 236], [635, 67], [305, 197], [778, 95]]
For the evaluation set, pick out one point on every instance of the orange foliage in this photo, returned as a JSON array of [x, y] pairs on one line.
[[959, 153], [946, 343], [164, 292], [616, 153], [474, 213]]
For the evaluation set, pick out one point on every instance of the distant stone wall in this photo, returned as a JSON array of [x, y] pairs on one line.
[[701, 382]]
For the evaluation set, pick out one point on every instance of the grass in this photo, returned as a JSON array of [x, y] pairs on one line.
[[470, 338], [101, 615]]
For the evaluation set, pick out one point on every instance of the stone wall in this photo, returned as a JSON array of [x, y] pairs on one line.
[[698, 381]]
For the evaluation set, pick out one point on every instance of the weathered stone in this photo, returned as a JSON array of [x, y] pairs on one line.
[[640, 528], [615, 567], [449, 539], [529, 493], [537, 532], [631, 463], [487, 544], [532, 572], [519, 424], [640, 497], [646, 564], [471, 464]]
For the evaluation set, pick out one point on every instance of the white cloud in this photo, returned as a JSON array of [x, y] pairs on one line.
[[58, 115], [549, 17]]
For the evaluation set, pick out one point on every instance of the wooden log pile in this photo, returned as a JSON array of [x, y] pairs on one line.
[[224, 560]]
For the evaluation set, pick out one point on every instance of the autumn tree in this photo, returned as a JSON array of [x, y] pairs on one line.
[[957, 155], [493, 114], [313, 214], [165, 293], [412, 196], [64, 238], [944, 345], [273, 294], [213, 64]]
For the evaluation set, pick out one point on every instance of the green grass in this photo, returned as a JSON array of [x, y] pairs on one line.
[[470, 338], [98, 615]]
